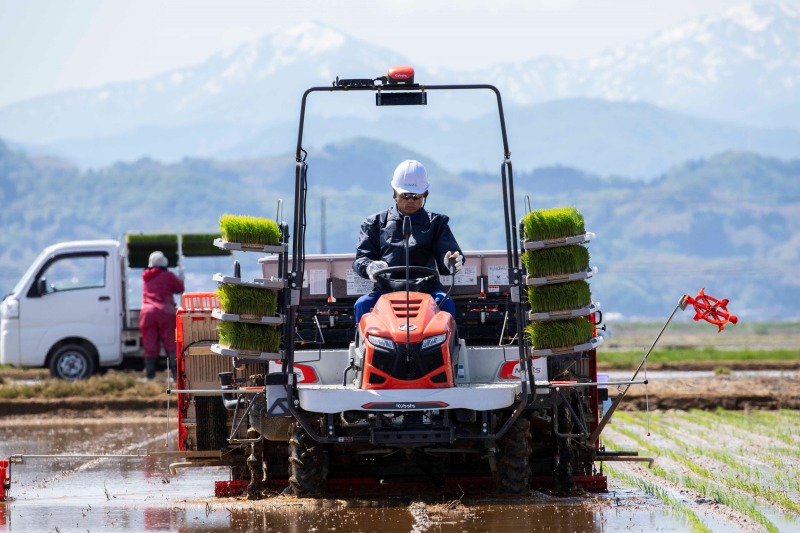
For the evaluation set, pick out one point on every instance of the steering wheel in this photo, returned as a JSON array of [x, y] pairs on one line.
[[421, 279]]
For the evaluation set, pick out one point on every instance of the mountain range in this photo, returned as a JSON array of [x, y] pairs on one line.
[[719, 82], [728, 223], [682, 151]]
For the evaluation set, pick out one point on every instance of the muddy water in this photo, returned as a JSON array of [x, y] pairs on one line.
[[117, 494]]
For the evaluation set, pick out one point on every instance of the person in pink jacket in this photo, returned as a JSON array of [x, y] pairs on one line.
[[157, 318]]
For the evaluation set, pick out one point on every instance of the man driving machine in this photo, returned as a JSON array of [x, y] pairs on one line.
[[381, 243]]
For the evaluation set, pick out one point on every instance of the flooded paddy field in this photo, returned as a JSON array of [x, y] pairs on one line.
[[714, 471]]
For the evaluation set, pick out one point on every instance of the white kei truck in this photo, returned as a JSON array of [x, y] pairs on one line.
[[71, 310]]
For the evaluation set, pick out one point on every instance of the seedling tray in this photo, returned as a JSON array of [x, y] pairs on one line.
[[567, 313], [561, 241], [233, 352], [244, 247], [561, 278], [592, 344], [259, 283], [264, 320]]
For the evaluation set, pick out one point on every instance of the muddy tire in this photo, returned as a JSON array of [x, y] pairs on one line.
[[308, 465], [72, 361], [564, 481], [513, 468]]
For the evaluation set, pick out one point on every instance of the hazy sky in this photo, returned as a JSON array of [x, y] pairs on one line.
[[52, 45]]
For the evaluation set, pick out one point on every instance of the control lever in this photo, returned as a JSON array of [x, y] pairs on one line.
[[406, 239], [451, 266]]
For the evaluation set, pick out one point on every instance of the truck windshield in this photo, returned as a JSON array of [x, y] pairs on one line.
[[34, 266]]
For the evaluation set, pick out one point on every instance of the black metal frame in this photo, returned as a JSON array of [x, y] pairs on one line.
[[293, 292]]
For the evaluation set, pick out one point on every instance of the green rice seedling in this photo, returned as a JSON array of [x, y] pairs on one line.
[[554, 261], [544, 224], [755, 424], [201, 245], [738, 476], [559, 296], [754, 435], [141, 246], [249, 301], [707, 486], [679, 507], [246, 337], [729, 498], [559, 333], [249, 230]]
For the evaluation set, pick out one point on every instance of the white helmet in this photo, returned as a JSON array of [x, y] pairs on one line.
[[410, 176], [157, 259]]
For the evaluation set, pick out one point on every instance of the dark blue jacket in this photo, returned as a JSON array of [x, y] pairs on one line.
[[381, 239]]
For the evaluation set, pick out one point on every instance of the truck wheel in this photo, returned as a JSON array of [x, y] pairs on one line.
[[513, 468], [308, 465], [71, 362]]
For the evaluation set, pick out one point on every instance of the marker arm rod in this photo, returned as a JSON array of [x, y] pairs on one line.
[[602, 424]]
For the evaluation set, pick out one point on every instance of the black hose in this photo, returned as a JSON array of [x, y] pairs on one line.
[[230, 401]]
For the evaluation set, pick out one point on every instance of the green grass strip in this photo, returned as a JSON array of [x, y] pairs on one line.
[[679, 507], [140, 247], [554, 261], [559, 333], [252, 338], [244, 300], [249, 230], [201, 245], [544, 224], [559, 296], [631, 359]]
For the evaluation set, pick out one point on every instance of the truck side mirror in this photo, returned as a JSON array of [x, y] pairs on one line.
[[41, 286]]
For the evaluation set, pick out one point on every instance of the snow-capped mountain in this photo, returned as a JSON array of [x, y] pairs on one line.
[[741, 66], [735, 66], [253, 83]]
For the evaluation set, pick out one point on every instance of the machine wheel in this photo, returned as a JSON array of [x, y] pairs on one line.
[[564, 481], [308, 465], [72, 361], [513, 468]]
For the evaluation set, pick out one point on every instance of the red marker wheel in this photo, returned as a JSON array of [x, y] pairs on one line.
[[711, 310]]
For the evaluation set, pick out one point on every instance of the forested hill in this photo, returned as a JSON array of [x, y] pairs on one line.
[[729, 223]]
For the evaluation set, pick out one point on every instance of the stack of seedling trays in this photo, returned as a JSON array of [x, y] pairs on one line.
[[140, 246], [173, 246], [557, 264], [249, 326]]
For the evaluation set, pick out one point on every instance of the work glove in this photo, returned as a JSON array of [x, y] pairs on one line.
[[181, 275], [374, 267], [454, 258]]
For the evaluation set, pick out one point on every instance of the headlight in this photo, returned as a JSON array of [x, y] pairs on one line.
[[9, 308], [382, 342], [433, 341]]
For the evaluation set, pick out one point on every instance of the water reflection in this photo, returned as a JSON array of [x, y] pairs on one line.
[[139, 495]]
